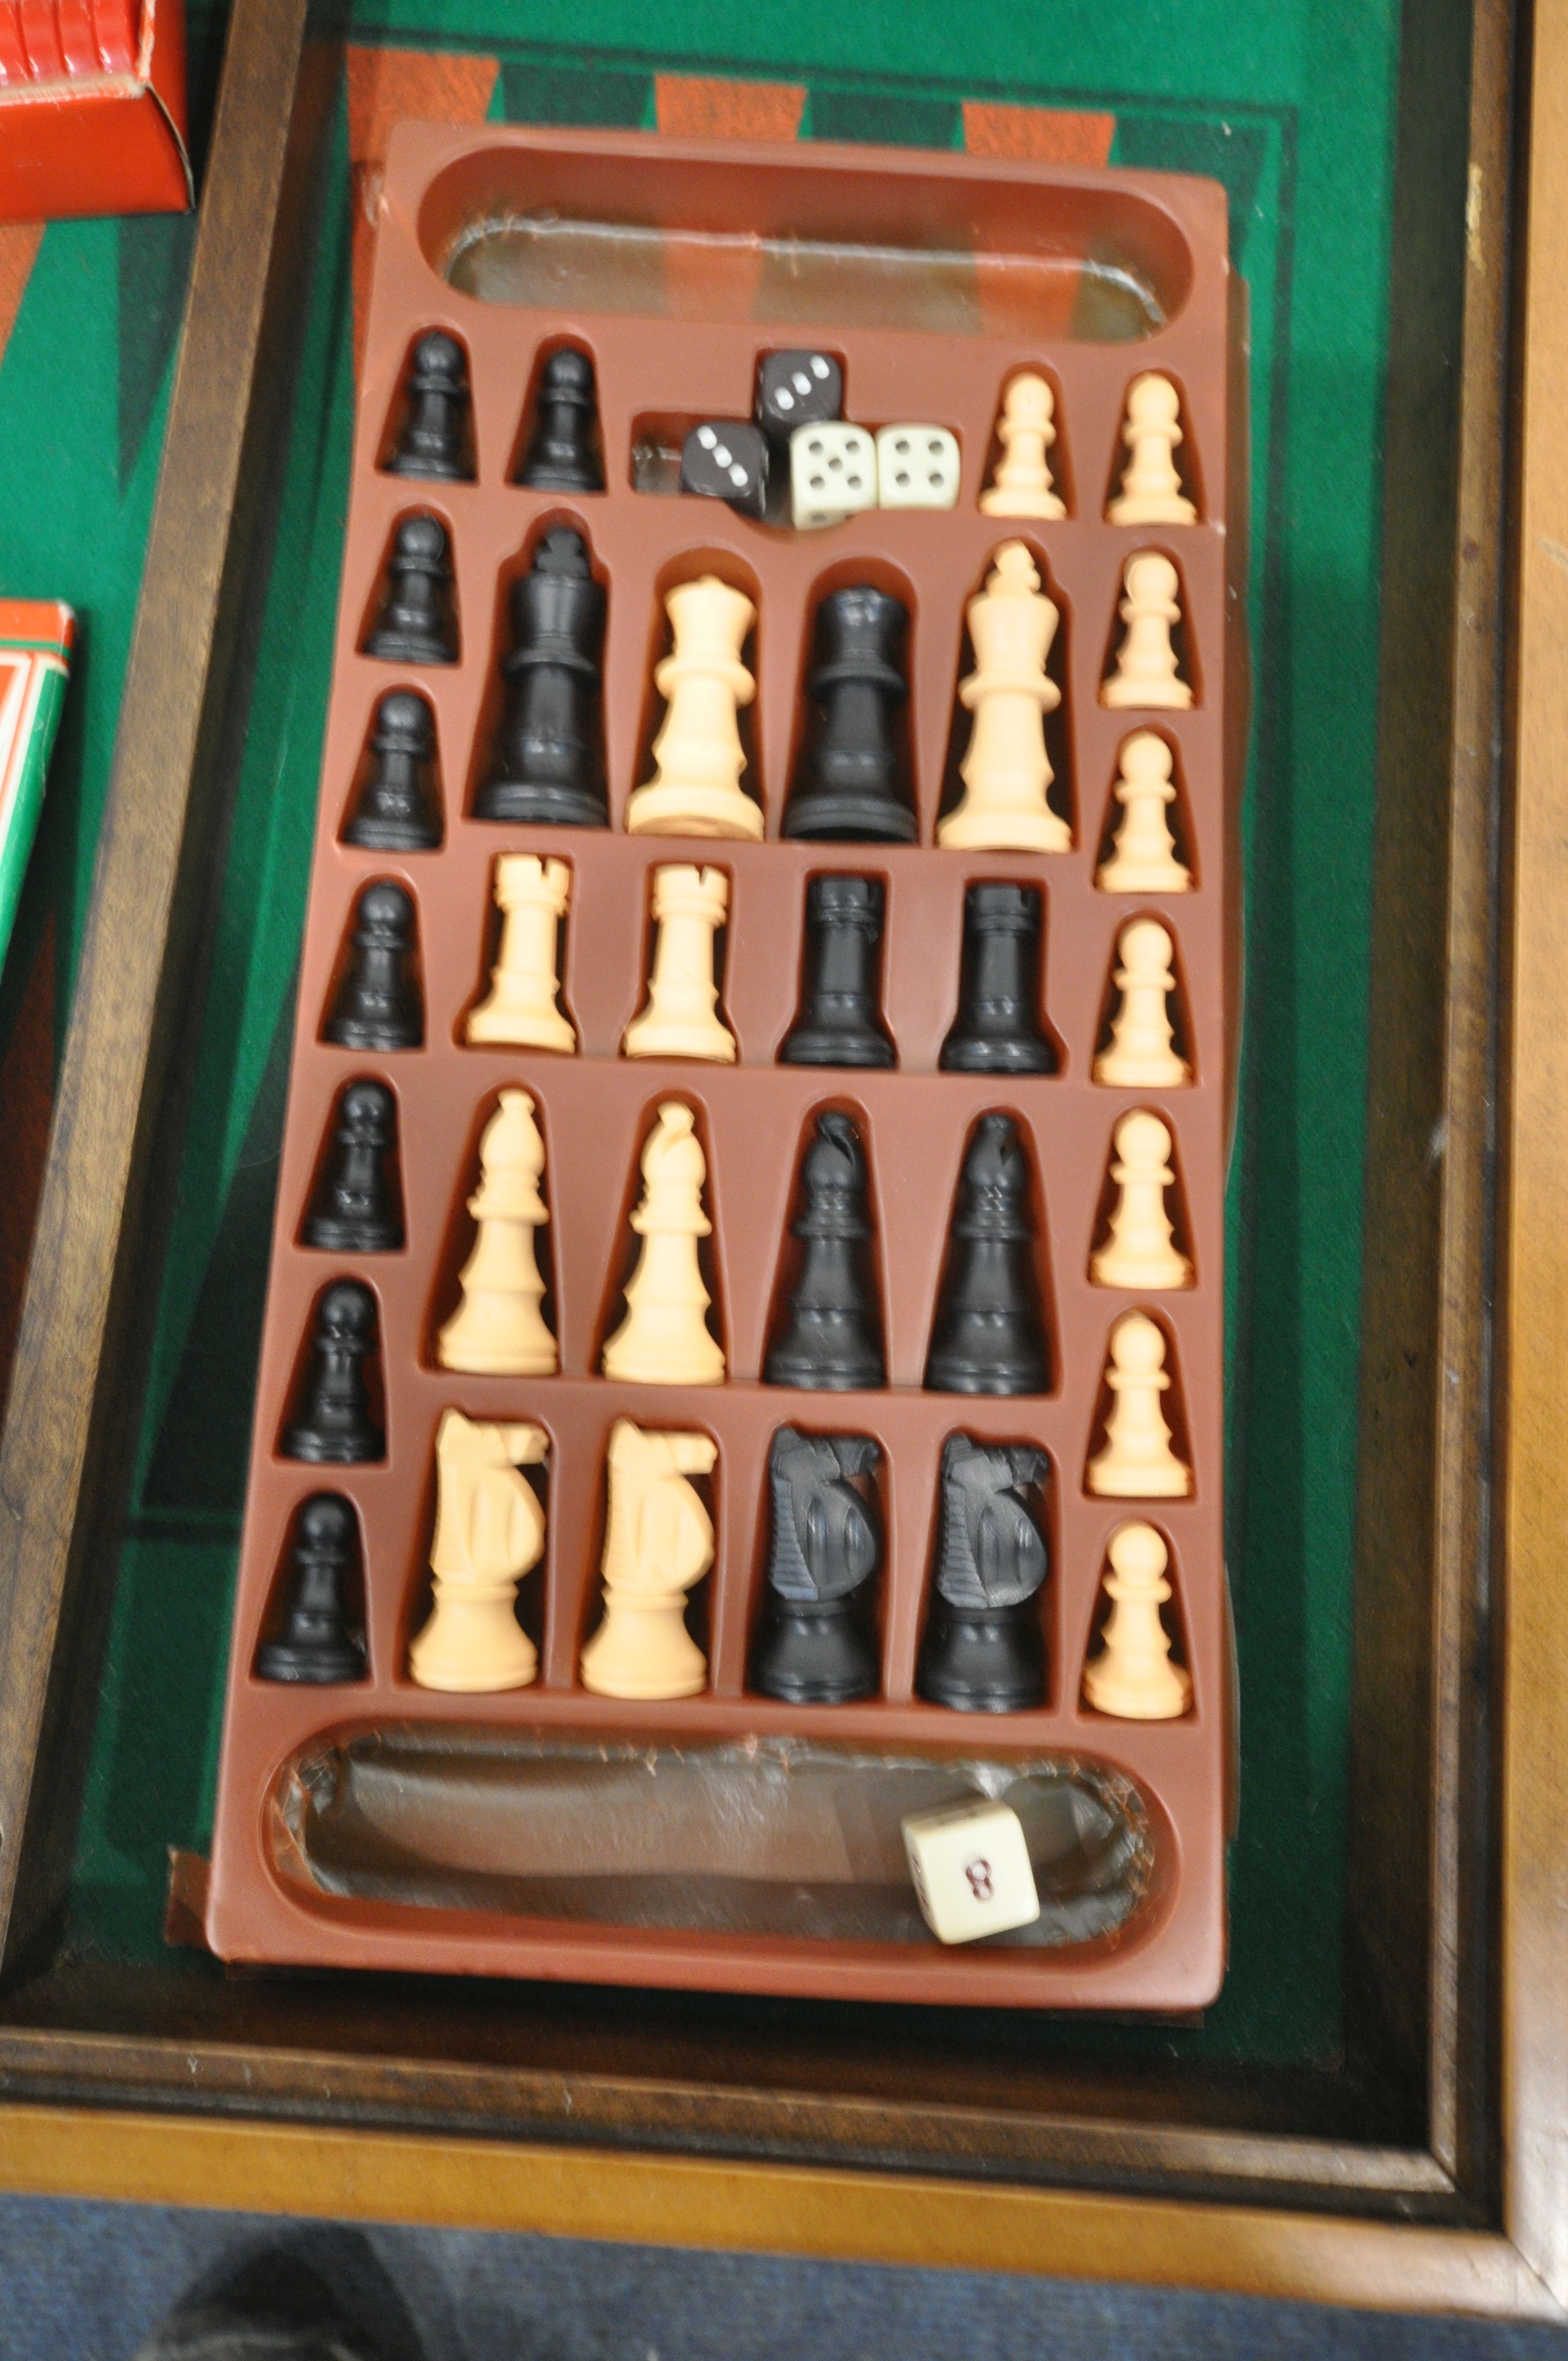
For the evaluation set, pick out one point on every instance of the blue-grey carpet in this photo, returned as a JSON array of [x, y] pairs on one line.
[[83, 2282]]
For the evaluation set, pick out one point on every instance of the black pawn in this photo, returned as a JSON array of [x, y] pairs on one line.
[[315, 1644], [839, 1023], [547, 764], [561, 458], [334, 1421], [849, 787], [814, 1645], [354, 1211], [997, 1030], [983, 1649], [378, 1005], [432, 442], [989, 1338], [833, 1341], [415, 625], [395, 811]]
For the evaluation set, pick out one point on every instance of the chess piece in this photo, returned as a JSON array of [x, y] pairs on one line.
[[434, 432], [354, 1210], [680, 1017], [1139, 1251], [984, 1651], [695, 789], [415, 625], [1026, 429], [333, 1422], [1137, 1462], [561, 458], [1146, 670], [832, 1341], [1142, 859], [658, 1543], [520, 1009], [1005, 768], [378, 1005], [997, 1029], [396, 810], [839, 1023], [497, 1328], [988, 1337], [663, 1339], [849, 790], [490, 1531], [1151, 489], [814, 1644], [1141, 1052], [548, 768], [725, 459], [315, 1644], [1132, 1676]]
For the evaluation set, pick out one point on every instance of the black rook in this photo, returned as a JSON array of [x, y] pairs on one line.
[[839, 1023], [998, 1027]]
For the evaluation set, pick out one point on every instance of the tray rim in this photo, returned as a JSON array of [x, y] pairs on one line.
[[1219, 2208]]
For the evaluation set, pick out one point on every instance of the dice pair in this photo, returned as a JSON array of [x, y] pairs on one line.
[[836, 469]]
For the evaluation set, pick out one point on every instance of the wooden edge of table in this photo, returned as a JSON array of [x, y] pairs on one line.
[[817, 2212], [1535, 1499]]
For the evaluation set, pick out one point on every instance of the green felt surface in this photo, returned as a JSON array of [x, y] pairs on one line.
[[1292, 107]]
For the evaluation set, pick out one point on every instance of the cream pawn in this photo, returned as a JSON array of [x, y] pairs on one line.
[[497, 1328], [1026, 429], [490, 1529], [697, 788], [1146, 670], [679, 1018], [521, 1010], [1132, 1676], [1006, 770], [1137, 1463], [1141, 1054], [658, 1542], [1143, 859], [1151, 489], [663, 1339], [1139, 1251]]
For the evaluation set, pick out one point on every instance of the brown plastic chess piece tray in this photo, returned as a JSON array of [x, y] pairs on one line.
[[932, 334]]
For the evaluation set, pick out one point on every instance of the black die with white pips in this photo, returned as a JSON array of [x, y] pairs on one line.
[[726, 459], [797, 390]]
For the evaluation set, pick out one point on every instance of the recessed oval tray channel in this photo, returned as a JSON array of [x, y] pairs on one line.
[[770, 1836], [716, 240]]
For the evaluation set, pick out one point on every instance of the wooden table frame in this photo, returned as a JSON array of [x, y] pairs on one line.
[[1432, 2169]]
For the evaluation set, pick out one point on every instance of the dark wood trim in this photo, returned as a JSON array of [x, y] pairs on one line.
[[96, 1254], [1422, 1843]]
